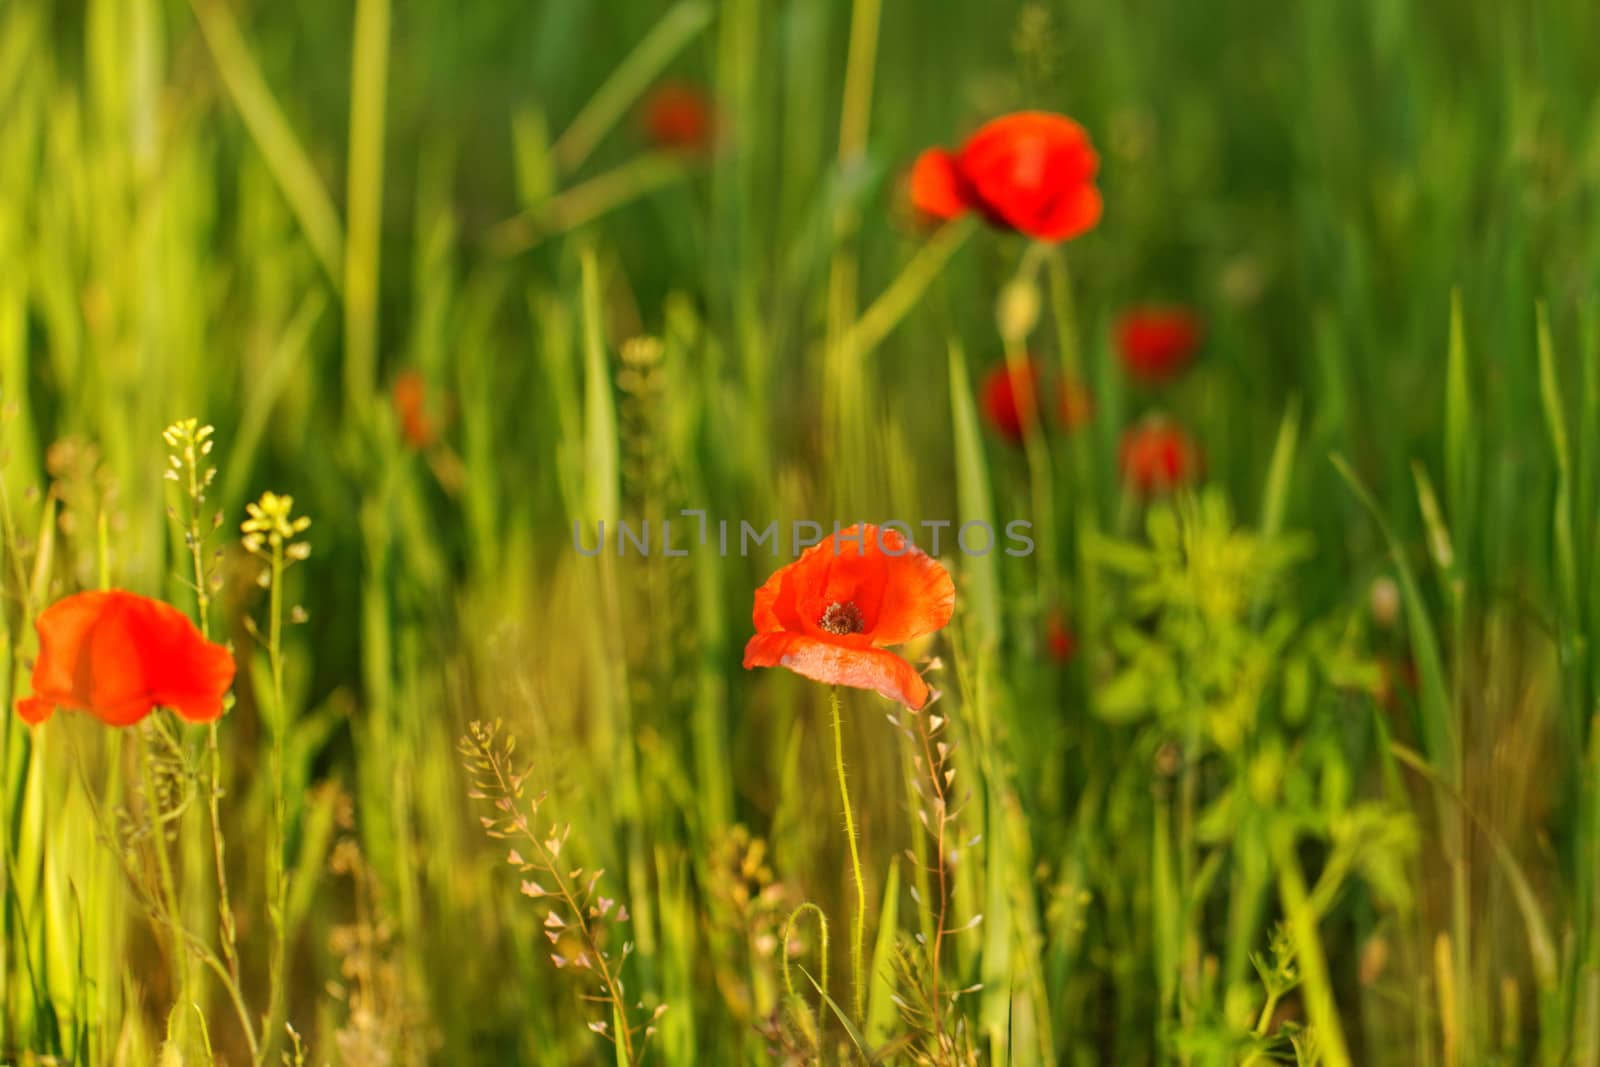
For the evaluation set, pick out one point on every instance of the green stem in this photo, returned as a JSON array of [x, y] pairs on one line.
[[369, 67], [202, 609], [680, 25], [1085, 489], [892, 305], [1321, 1009], [822, 953], [278, 883], [858, 931], [1037, 454], [585, 202], [1262, 1022], [169, 891]]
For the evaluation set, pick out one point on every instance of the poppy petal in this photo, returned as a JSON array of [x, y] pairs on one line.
[[937, 189], [64, 628], [186, 672], [918, 594], [1074, 214], [775, 608], [118, 691], [35, 710], [1033, 172], [822, 661], [117, 656]]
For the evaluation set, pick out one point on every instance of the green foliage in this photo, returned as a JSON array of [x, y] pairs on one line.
[[1316, 780]]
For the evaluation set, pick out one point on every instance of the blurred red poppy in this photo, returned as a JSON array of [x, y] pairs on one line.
[[1008, 400], [1155, 343], [1074, 405], [1059, 639], [411, 404], [1032, 172], [1158, 456], [831, 614], [679, 118], [119, 656]]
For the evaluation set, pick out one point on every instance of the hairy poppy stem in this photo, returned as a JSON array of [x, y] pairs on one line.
[[858, 930], [822, 955]]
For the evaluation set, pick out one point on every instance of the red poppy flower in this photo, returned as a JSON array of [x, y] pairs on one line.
[[831, 614], [1074, 405], [411, 404], [1032, 172], [1157, 456], [1155, 343], [119, 656], [1007, 411], [1059, 639], [678, 118]]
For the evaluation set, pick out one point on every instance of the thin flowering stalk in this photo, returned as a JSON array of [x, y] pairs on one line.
[[172, 918], [934, 781], [496, 780], [269, 535], [191, 442], [858, 930], [569, 897]]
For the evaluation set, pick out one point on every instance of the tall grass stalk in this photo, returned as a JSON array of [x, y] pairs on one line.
[[369, 70]]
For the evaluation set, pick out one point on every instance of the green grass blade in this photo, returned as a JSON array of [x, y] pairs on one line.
[[1458, 433], [600, 416], [1438, 727], [974, 500], [1541, 945], [679, 26], [291, 167], [1562, 525], [880, 976], [1274, 499], [369, 72]]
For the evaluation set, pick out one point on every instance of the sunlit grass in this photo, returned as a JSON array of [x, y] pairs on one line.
[[1316, 781]]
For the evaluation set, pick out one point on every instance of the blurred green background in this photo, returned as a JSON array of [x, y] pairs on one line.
[[1318, 760]]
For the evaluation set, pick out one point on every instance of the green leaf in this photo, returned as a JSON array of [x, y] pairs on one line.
[[974, 500], [880, 979], [1438, 728], [600, 417]]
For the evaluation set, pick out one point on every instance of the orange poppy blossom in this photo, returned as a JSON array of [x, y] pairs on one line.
[[1032, 172], [1155, 343], [678, 118], [119, 656], [1158, 456], [832, 614]]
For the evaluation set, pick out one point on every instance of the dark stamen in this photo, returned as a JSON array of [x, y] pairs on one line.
[[843, 618]]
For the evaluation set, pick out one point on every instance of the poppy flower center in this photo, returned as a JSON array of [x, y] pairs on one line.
[[842, 618]]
